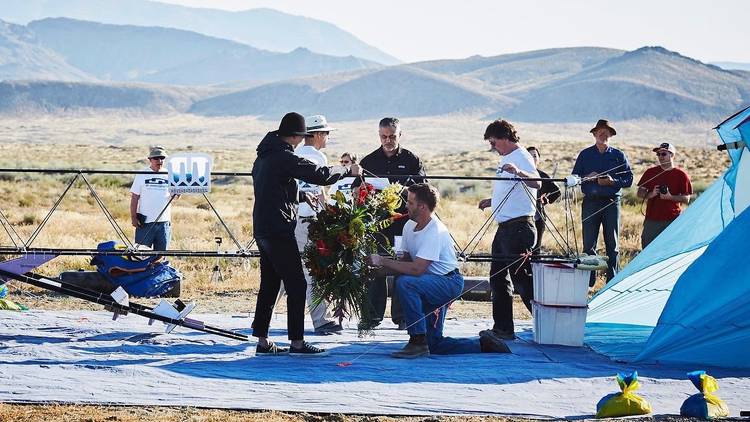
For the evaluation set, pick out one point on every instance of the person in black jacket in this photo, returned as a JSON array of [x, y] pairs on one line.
[[390, 160], [274, 219], [547, 194]]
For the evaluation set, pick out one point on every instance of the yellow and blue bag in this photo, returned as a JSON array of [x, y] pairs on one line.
[[625, 403], [706, 404]]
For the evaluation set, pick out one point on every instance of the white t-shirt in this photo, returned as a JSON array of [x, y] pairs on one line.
[[309, 152], [432, 243], [153, 191], [520, 202]]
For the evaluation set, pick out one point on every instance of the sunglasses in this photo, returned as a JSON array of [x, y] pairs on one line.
[[157, 158], [345, 162], [662, 154]]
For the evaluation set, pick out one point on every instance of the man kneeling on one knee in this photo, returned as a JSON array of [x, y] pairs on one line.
[[428, 281]]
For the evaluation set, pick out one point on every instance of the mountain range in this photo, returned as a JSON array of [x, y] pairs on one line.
[[557, 85], [265, 29], [124, 53], [21, 54], [62, 65]]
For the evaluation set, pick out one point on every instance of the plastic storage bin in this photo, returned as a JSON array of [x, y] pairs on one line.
[[563, 325], [560, 284]]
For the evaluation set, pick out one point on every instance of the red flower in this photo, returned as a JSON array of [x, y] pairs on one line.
[[322, 248], [363, 191]]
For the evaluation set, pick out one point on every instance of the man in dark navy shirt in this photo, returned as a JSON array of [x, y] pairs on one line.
[[604, 171], [390, 160]]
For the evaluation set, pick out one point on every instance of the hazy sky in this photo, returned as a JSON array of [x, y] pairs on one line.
[[413, 30]]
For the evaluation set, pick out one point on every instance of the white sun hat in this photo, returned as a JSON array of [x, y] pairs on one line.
[[318, 123]]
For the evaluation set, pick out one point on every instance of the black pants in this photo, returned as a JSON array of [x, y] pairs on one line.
[[512, 239], [377, 291], [280, 261], [540, 227]]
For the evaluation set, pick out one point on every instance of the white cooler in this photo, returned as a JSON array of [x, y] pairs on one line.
[[559, 308], [559, 324], [560, 284]]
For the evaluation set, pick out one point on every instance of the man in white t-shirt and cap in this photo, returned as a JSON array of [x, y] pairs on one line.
[[150, 209], [513, 205], [318, 131], [429, 281]]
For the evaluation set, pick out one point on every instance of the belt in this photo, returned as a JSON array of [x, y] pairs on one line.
[[522, 219], [454, 272]]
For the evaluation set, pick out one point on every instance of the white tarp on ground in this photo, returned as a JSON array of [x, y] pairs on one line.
[[85, 357]]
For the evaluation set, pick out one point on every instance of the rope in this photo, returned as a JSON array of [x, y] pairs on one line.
[[49, 214], [120, 232], [7, 225], [221, 220]]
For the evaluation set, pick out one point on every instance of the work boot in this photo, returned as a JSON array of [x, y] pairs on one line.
[[490, 343], [415, 348], [501, 334]]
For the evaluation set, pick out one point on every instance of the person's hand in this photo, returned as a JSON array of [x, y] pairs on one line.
[[653, 193], [510, 168], [590, 175], [354, 169], [605, 180], [375, 260], [484, 203], [311, 200], [134, 221], [668, 196], [543, 199]]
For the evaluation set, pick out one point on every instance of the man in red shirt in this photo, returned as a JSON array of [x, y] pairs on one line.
[[665, 187]]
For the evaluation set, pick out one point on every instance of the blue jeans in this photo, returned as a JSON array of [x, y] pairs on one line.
[[420, 297], [594, 215], [154, 235]]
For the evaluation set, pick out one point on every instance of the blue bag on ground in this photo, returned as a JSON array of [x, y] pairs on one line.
[[704, 405], [143, 277], [626, 403]]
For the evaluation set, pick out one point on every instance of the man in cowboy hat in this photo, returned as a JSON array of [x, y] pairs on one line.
[[150, 209], [274, 220], [665, 187], [604, 171], [318, 131]]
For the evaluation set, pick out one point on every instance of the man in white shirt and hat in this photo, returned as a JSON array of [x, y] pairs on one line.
[[150, 208], [318, 131]]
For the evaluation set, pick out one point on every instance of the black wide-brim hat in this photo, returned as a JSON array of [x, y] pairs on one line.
[[293, 124], [604, 123]]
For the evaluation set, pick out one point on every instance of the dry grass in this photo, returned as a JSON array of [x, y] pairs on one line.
[[449, 145], [118, 143]]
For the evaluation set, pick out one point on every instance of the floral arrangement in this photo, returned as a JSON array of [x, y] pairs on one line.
[[341, 236]]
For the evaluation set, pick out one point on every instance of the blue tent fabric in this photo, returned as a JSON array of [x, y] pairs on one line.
[[685, 298], [707, 318]]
